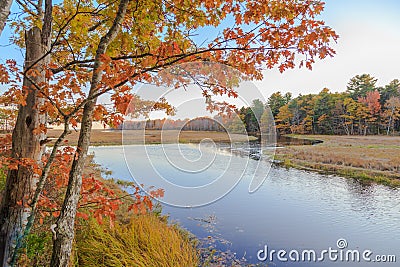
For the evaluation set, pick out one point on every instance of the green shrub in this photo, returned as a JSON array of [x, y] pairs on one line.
[[38, 248]]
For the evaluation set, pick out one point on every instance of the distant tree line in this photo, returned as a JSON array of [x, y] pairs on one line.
[[362, 109], [243, 120], [196, 124]]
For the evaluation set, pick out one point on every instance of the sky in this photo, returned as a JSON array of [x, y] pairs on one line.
[[369, 43]]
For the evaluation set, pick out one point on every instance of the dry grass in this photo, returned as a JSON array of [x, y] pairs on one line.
[[107, 137], [367, 157], [135, 240], [145, 241]]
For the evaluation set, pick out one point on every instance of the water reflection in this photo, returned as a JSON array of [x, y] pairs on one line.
[[292, 210]]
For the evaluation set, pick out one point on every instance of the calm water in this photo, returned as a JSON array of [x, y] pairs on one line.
[[292, 210]]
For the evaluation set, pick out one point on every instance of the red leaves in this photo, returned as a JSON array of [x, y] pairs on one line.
[[371, 100], [4, 76], [82, 215], [97, 199], [158, 193], [142, 205], [99, 113], [121, 101]]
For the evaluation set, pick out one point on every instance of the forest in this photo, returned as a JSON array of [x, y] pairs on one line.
[[363, 108]]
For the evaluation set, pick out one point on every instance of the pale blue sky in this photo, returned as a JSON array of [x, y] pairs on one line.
[[369, 43]]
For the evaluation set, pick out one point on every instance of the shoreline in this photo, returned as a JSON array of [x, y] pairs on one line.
[[365, 158], [135, 137]]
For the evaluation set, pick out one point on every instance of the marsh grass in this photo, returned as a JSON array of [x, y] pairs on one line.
[[132, 240], [145, 241], [367, 158]]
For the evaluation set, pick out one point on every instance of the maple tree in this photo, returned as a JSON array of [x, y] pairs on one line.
[[87, 49], [373, 107]]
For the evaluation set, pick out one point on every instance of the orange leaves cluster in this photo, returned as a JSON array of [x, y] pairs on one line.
[[4, 76], [121, 100], [282, 30], [10, 163], [9, 70], [222, 108], [143, 203], [162, 104], [157, 35], [371, 100], [97, 199], [10, 74]]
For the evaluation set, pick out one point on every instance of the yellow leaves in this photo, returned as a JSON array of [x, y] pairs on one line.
[[162, 104], [322, 118], [155, 35]]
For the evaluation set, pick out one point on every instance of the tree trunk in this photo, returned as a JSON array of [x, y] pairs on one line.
[[62, 245], [390, 121], [21, 183], [5, 6]]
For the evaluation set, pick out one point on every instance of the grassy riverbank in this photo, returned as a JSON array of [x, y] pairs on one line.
[[133, 137], [131, 240], [368, 158]]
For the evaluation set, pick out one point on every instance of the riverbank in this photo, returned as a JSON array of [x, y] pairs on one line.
[[135, 137], [367, 158], [126, 240]]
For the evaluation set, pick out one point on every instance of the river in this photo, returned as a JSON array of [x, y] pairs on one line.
[[293, 210]]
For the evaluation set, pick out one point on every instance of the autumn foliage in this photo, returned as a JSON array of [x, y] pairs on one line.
[[86, 49], [363, 109], [97, 200]]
